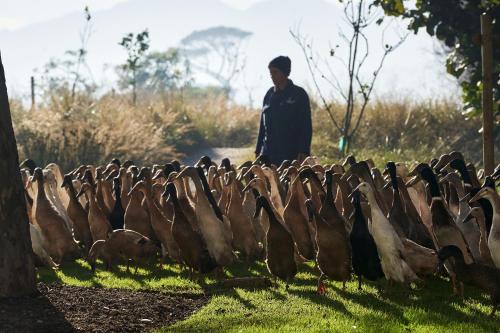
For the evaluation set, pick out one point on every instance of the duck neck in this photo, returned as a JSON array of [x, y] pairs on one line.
[[482, 229], [71, 192], [372, 200], [494, 200], [359, 224], [434, 189], [40, 189], [118, 195]]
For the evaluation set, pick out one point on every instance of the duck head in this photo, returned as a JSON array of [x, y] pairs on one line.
[[226, 164], [127, 164], [177, 165], [284, 165], [116, 162], [37, 175], [350, 160], [67, 181], [29, 164], [262, 160], [116, 184], [484, 193], [363, 188], [449, 251], [205, 162], [86, 188]]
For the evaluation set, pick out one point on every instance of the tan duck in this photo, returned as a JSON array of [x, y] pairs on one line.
[[343, 192], [470, 231], [81, 228], [443, 226], [58, 174], [99, 192], [296, 220], [259, 186], [378, 180], [52, 193], [98, 221], [422, 260], [315, 187], [126, 184], [215, 231], [333, 256], [362, 170], [417, 186], [186, 205], [137, 215], [274, 194], [193, 248], [249, 197], [494, 237], [280, 248], [278, 195], [57, 238], [332, 237], [105, 188], [423, 235], [162, 227], [477, 215], [244, 238]]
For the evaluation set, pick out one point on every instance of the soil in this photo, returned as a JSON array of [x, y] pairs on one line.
[[60, 308]]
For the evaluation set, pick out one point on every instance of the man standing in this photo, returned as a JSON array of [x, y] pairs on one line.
[[285, 124]]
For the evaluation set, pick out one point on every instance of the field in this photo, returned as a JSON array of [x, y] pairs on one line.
[[426, 308], [398, 129]]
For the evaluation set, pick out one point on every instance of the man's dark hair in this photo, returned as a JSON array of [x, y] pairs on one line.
[[283, 63]]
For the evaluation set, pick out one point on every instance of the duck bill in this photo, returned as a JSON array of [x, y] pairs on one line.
[[474, 198], [412, 181], [80, 193]]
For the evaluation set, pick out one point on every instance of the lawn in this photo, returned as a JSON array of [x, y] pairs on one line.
[[429, 308]]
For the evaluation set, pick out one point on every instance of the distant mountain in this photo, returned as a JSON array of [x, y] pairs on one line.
[[412, 69]]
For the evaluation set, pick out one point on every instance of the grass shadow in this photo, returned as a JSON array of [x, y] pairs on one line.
[[321, 300]]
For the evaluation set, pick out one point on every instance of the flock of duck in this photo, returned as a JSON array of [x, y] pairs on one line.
[[396, 224]]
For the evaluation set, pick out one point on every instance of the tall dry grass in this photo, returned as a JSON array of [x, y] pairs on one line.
[[404, 130], [162, 127], [223, 124], [157, 130]]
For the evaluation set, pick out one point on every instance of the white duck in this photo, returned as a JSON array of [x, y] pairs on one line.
[[389, 245], [494, 237]]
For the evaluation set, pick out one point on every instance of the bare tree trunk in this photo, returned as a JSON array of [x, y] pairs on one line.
[[17, 270]]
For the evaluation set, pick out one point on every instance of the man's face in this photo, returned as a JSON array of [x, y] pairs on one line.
[[277, 76]]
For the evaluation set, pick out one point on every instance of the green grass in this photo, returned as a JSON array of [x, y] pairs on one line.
[[429, 308]]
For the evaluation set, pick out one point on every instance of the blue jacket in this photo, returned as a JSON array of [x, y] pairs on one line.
[[285, 124]]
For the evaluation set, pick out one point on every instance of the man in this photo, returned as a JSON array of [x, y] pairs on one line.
[[285, 124]]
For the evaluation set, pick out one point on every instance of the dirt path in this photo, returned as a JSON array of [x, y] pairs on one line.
[[235, 155], [61, 308]]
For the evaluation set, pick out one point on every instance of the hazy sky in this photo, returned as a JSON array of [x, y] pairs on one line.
[[17, 13], [413, 70]]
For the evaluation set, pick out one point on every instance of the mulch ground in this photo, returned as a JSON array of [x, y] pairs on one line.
[[60, 308]]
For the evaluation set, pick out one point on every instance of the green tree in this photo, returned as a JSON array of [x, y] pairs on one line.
[[456, 24], [136, 47]]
